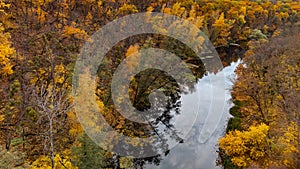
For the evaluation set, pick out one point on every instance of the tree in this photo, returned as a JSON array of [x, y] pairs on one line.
[[51, 104], [88, 155], [247, 147], [62, 161]]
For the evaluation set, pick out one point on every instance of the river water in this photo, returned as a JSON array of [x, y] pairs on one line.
[[198, 152]]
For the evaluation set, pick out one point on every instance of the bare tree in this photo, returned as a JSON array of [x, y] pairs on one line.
[[52, 104]]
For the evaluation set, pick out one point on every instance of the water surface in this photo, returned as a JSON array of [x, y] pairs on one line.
[[196, 152]]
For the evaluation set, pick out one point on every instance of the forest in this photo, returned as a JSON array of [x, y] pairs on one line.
[[41, 41]]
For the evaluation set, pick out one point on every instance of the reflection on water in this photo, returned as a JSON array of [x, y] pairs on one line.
[[194, 153]]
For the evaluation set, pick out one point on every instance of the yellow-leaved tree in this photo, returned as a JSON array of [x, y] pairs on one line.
[[6, 51], [62, 161], [247, 147]]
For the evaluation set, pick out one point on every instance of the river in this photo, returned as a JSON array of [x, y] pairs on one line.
[[196, 152]]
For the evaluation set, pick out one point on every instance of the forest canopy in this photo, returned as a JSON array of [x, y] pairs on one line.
[[40, 41]]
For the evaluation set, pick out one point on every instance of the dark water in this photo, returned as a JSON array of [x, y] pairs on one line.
[[209, 122]]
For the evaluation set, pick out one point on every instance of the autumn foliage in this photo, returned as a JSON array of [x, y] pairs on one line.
[[41, 39], [267, 90]]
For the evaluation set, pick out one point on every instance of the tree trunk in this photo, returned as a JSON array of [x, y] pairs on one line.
[[51, 142]]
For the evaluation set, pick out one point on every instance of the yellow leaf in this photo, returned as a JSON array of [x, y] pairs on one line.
[[132, 49], [1, 118]]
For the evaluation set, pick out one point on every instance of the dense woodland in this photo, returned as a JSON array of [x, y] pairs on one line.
[[40, 42], [264, 131]]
